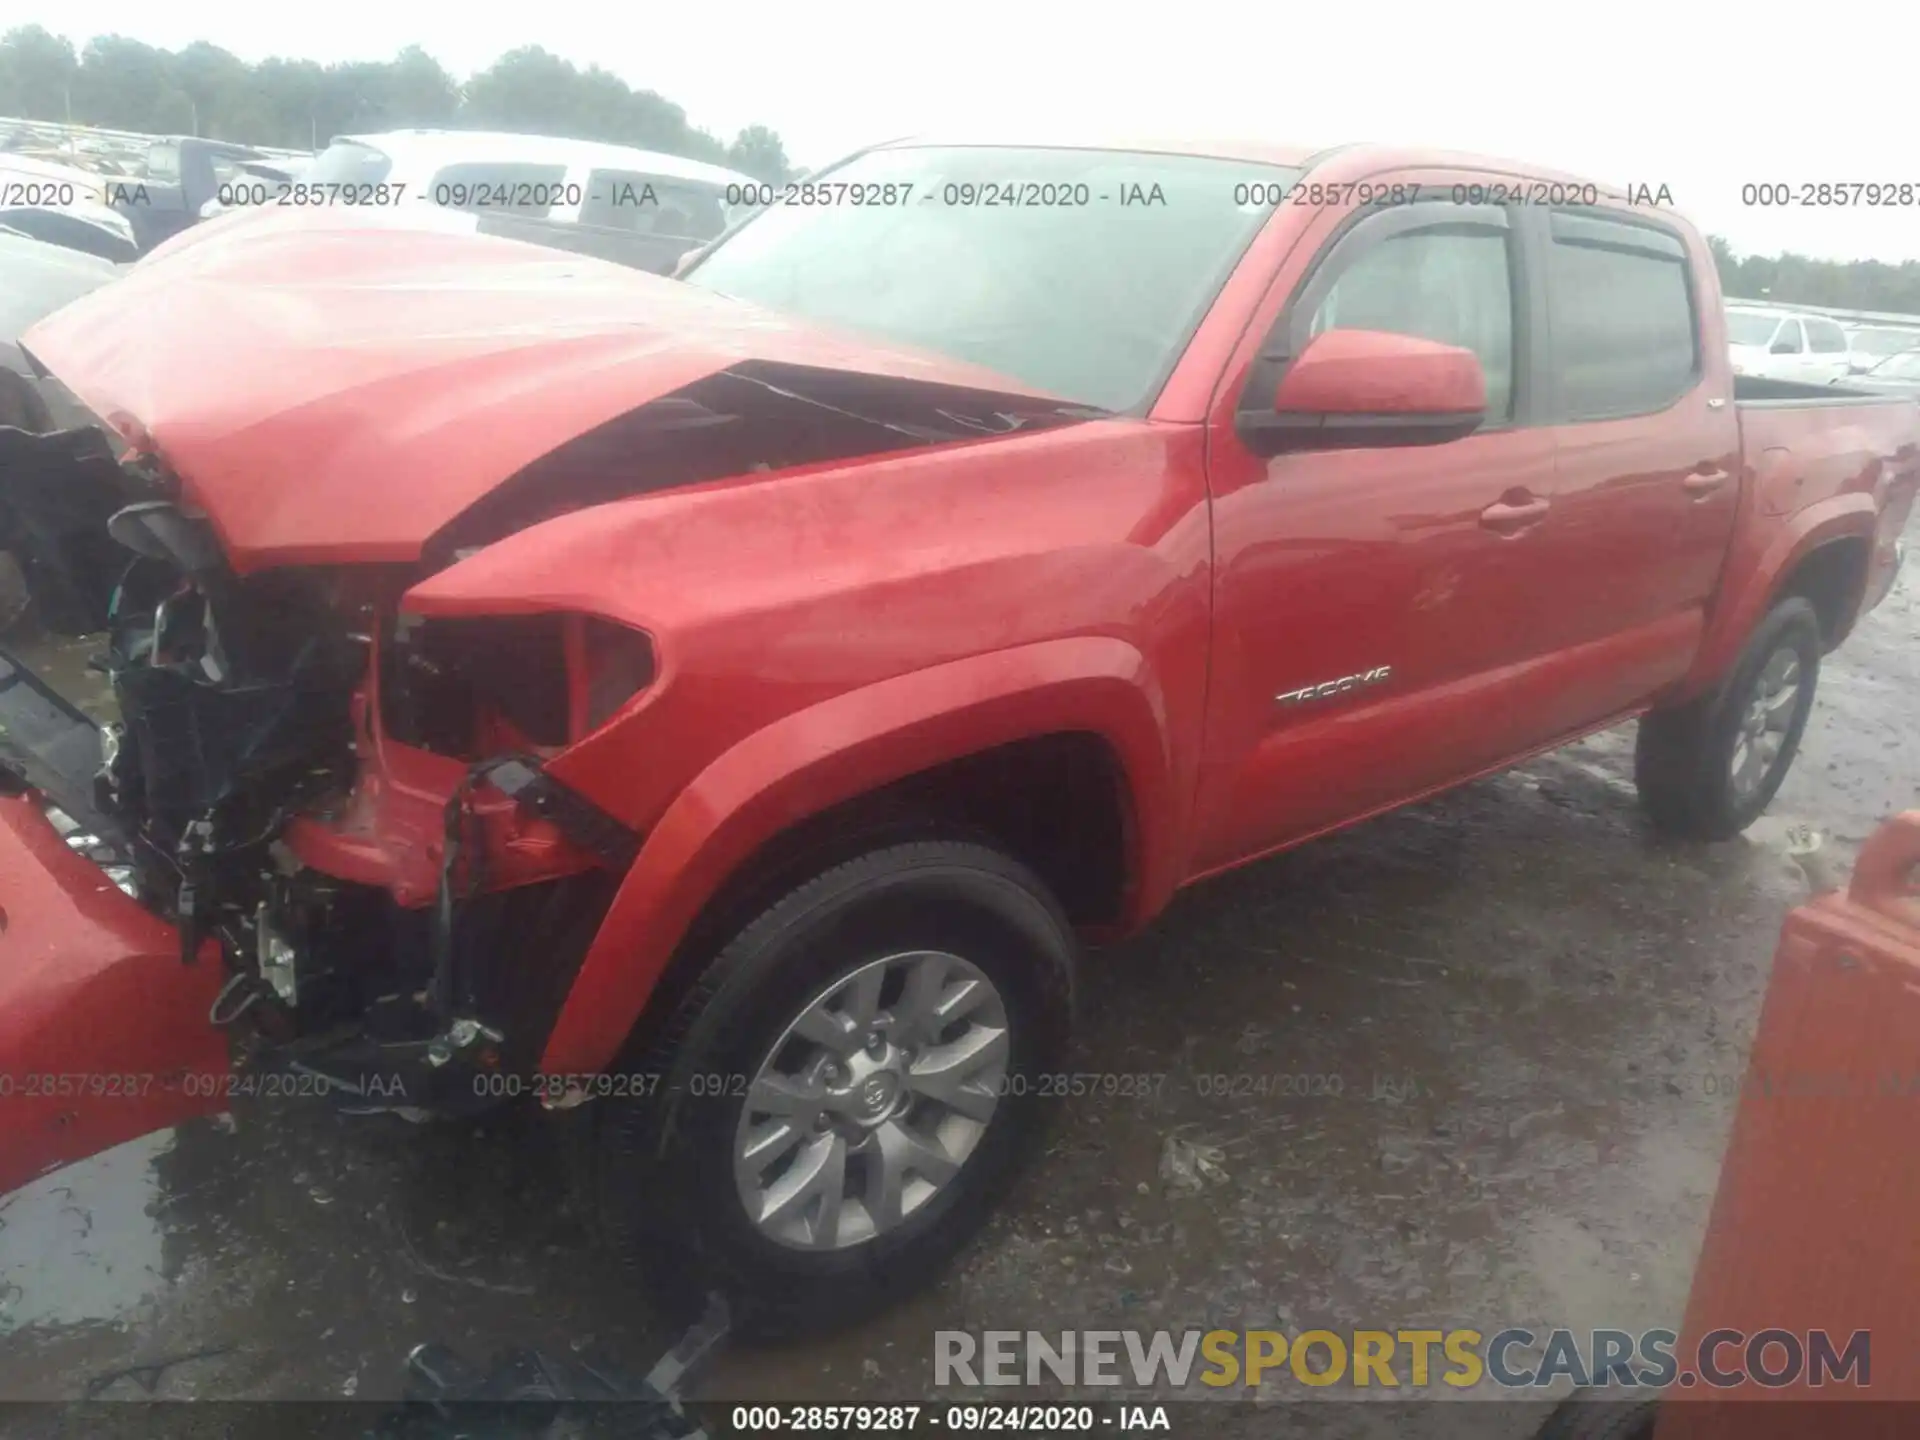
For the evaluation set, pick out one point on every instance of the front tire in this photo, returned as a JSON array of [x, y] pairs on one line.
[[846, 1090], [1707, 770]]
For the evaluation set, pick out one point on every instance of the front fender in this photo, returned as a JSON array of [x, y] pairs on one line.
[[845, 747], [1749, 586]]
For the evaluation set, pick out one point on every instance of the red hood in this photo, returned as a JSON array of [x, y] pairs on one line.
[[340, 385]]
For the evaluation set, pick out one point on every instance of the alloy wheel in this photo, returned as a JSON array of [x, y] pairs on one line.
[[871, 1100], [1764, 723]]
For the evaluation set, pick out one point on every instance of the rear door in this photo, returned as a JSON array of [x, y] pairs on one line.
[[1826, 349], [1399, 564], [1646, 460]]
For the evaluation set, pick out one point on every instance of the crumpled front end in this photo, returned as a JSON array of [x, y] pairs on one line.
[[316, 831]]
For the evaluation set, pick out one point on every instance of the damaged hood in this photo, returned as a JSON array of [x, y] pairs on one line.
[[339, 385]]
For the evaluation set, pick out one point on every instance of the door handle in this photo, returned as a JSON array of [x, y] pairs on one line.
[[1511, 517], [1702, 483]]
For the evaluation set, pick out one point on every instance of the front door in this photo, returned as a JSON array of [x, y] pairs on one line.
[[1367, 607]]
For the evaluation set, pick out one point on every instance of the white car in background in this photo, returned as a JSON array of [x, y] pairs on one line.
[[640, 207], [1786, 345]]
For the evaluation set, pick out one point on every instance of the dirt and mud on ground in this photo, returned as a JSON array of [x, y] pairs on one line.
[[1520, 1020]]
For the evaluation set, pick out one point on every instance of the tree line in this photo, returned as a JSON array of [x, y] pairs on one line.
[[122, 84], [1799, 280]]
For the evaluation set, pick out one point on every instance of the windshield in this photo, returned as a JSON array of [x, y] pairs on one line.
[[1078, 272], [347, 162], [1746, 327], [1883, 342]]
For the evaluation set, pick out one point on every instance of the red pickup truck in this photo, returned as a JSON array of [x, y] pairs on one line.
[[730, 704]]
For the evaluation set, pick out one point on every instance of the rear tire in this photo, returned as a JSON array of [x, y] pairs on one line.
[[1707, 770], [829, 1207]]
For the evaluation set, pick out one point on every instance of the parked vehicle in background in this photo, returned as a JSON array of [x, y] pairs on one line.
[[1785, 345], [62, 205], [1867, 346], [722, 709], [48, 552], [1895, 375], [640, 208], [183, 173]]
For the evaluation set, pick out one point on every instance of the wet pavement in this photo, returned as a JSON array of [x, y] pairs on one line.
[[1471, 1064]]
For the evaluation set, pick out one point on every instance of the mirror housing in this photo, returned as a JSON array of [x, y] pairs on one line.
[[1351, 389], [1782, 347]]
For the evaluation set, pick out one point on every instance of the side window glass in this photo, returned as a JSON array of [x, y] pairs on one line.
[[491, 187], [1828, 338], [1625, 341], [1786, 340], [1448, 284], [163, 164]]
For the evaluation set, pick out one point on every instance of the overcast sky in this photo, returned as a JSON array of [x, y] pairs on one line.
[[1702, 99]]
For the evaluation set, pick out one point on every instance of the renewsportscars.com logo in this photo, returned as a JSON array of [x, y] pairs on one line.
[[1513, 1358]]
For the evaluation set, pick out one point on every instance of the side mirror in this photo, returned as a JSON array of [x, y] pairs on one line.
[[1351, 389], [1783, 347]]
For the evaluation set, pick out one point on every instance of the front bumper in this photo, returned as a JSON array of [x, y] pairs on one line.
[[103, 1031]]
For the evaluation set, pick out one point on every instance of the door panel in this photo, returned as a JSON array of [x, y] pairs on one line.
[[1792, 362], [1647, 467], [1335, 565]]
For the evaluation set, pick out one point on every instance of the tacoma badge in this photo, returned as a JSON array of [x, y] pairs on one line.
[[1329, 688]]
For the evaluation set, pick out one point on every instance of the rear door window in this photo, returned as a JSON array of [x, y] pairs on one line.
[[1828, 338], [493, 187], [1625, 338]]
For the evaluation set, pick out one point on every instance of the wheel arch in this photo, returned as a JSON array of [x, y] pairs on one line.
[[1816, 549], [837, 773]]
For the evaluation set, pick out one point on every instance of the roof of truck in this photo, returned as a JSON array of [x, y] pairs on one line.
[[1362, 157]]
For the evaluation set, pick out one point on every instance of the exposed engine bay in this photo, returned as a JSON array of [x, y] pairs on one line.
[[271, 721]]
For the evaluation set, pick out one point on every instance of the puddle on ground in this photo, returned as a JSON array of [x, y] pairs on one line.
[[82, 1245]]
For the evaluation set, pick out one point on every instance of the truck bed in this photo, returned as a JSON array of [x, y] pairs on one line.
[[1757, 390], [1808, 444]]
